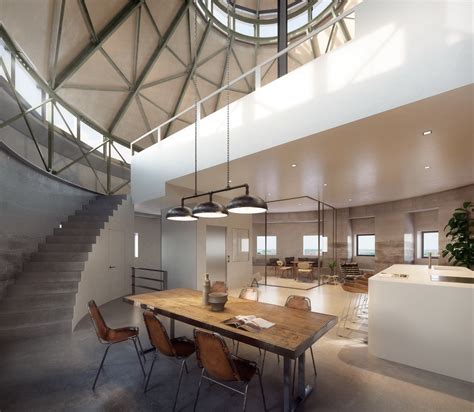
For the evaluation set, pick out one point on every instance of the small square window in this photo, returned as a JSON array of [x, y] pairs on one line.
[[365, 245], [310, 245], [271, 245], [429, 244]]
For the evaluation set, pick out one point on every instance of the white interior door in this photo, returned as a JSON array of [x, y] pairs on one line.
[[216, 253]]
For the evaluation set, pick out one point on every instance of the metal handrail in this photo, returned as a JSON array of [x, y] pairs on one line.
[[163, 280], [257, 70]]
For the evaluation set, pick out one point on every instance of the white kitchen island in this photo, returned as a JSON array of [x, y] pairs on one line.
[[423, 323]]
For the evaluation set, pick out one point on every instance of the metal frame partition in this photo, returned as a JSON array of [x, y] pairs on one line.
[[320, 209]]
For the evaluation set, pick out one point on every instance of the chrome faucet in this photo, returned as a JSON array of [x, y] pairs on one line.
[[429, 260]]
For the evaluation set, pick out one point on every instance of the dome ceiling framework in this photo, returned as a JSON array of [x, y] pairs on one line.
[[128, 65]]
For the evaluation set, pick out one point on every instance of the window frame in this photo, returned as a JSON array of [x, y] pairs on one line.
[[423, 244], [357, 244], [267, 254]]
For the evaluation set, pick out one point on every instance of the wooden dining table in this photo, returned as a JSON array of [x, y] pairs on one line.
[[294, 331]]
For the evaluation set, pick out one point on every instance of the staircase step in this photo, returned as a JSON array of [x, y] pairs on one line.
[[88, 218], [25, 289], [70, 239], [33, 302], [25, 317], [36, 330], [91, 224], [65, 247], [42, 277], [76, 231], [104, 207], [102, 214], [59, 257], [53, 266]]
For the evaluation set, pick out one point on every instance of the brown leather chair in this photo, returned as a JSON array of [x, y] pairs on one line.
[[178, 348], [300, 303], [219, 365], [109, 337]]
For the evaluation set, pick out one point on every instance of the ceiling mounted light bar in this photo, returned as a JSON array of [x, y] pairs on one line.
[[245, 204]]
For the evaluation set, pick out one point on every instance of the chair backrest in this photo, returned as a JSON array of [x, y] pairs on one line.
[[157, 333], [249, 294], [100, 326], [349, 269], [304, 265], [213, 355], [298, 302], [218, 286], [273, 261], [289, 260]]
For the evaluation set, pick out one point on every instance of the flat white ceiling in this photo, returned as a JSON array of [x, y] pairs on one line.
[[374, 160]]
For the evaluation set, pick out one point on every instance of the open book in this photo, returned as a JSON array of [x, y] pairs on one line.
[[249, 323]]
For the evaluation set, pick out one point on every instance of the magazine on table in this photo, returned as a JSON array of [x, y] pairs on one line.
[[249, 323]]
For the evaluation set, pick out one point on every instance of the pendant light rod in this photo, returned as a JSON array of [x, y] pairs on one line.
[[212, 192]]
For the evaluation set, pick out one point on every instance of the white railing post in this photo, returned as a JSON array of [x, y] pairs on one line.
[[158, 134], [258, 73]]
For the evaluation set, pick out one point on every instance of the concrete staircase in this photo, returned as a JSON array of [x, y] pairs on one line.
[[41, 301]]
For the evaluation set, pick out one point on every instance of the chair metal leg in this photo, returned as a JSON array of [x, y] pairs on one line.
[[149, 373], [263, 360], [141, 349], [314, 363], [261, 390], [183, 363], [139, 357], [199, 388], [100, 367], [245, 396]]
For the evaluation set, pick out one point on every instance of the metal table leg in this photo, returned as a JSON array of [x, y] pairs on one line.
[[287, 407], [303, 389]]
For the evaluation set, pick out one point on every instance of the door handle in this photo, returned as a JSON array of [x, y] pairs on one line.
[[111, 267]]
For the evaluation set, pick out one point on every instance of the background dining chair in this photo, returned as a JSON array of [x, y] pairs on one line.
[[305, 268], [177, 348], [218, 286], [284, 270], [218, 365], [109, 337], [300, 303]]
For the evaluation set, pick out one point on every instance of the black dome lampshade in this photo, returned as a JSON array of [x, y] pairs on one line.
[[210, 209], [181, 214], [247, 205]]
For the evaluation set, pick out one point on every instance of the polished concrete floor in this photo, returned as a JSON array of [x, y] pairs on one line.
[[56, 373]]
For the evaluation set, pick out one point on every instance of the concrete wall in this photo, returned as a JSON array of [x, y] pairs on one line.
[[397, 227], [107, 273], [392, 223], [32, 204], [364, 226]]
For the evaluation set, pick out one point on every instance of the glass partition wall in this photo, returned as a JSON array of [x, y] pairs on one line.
[[295, 243]]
